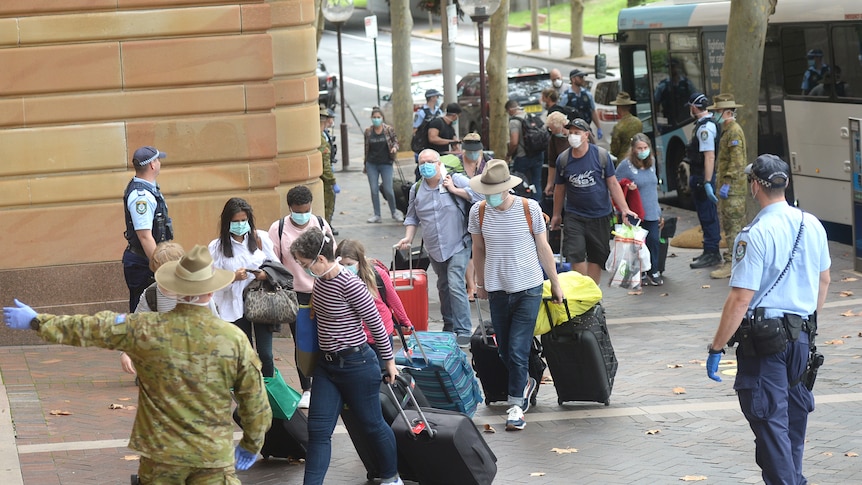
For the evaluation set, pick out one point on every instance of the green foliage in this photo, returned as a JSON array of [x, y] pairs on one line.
[[600, 16]]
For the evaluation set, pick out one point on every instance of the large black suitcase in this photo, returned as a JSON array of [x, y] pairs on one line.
[[286, 438], [439, 447], [391, 405], [581, 357], [490, 369]]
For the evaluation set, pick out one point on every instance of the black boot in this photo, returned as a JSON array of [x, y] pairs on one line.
[[707, 260]]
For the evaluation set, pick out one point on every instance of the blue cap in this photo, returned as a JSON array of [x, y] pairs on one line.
[[769, 171], [146, 155]]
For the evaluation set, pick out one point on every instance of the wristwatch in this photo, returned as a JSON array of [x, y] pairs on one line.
[[713, 351]]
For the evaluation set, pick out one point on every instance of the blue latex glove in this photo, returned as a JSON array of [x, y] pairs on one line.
[[599, 133], [336, 189], [244, 458], [710, 192], [19, 317], [724, 191], [712, 366]]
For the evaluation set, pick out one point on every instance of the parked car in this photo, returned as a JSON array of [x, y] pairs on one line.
[[327, 85], [525, 86]]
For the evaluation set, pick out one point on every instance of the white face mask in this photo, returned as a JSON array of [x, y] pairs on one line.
[[558, 83], [575, 140]]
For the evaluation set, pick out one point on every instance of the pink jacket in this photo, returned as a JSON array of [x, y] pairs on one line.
[[393, 301]]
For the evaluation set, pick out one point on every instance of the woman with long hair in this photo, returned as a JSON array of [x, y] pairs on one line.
[[242, 248], [639, 168], [348, 371], [381, 145], [375, 275]]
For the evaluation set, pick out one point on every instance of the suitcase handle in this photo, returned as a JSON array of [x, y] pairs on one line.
[[407, 350], [426, 426], [482, 326], [408, 286], [546, 301]]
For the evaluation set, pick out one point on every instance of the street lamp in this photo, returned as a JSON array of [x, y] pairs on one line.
[[480, 11], [338, 12]]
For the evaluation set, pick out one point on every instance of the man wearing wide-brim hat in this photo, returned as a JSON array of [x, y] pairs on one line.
[[187, 361], [510, 249], [627, 127], [327, 150], [730, 162]]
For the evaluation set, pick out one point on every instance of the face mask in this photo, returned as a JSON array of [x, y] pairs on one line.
[[558, 83], [718, 118], [495, 200], [353, 268], [644, 154], [575, 140], [376, 121], [810, 62], [301, 218], [239, 228], [560, 135], [195, 300], [472, 155], [428, 170]]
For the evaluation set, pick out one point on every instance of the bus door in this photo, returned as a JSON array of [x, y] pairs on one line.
[[634, 62]]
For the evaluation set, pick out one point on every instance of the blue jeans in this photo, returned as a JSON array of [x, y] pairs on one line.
[[514, 318], [353, 380], [652, 243], [452, 288], [261, 341], [707, 215], [376, 172], [531, 167]]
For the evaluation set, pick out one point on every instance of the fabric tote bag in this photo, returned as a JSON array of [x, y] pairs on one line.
[[283, 399]]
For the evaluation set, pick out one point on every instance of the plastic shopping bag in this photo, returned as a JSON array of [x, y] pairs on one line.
[[624, 262]]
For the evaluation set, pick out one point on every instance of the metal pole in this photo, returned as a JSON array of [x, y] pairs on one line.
[[345, 158], [483, 88], [377, 71]]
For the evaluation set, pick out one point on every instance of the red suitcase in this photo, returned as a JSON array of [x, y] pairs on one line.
[[412, 287]]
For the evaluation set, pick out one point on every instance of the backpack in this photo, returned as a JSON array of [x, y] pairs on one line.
[[526, 205], [420, 138], [453, 164], [604, 157], [150, 297], [534, 134]]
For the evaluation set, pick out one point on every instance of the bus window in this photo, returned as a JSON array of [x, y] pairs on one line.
[[642, 89], [673, 92], [805, 57], [845, 80]]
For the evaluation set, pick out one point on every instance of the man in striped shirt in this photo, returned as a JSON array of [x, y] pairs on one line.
[[510, 249]]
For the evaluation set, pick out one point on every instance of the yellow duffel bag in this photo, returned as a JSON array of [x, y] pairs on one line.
[[581, 294]]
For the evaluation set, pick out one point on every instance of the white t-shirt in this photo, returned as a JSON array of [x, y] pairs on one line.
[[229, 300]]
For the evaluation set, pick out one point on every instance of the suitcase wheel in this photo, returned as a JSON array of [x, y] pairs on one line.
[[560, 402], [607, 402]]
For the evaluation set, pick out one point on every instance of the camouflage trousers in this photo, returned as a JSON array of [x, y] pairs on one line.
[[732, 213], [152, 472], [328, 202]]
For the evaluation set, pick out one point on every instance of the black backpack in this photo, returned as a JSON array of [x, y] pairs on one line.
[[534, 134], [420, 138]]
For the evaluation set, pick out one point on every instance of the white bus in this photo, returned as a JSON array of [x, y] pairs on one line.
[[671, 48]]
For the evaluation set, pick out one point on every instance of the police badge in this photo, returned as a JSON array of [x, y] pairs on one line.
[[739, 253], [141, 207]]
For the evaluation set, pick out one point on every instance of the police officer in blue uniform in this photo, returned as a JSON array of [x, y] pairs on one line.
[[147, 221], [581, 101], [779, 278], [700, 154]]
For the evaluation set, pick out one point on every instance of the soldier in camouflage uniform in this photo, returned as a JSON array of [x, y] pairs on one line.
[[627, 127], [731, 177], [187, 361], [328, 177]]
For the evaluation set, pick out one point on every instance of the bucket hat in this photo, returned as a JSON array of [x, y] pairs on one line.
[[494, 179], [193, 274], [723, 101]]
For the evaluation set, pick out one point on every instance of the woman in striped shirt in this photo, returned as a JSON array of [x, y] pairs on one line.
[[348, 371]]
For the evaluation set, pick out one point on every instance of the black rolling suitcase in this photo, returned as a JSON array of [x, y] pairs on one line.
[[490, 369], [391, 405], [439, 447], [581, 357], [286, 438]]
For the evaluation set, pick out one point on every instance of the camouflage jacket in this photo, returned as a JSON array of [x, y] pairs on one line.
[[187, 362], [730, 161], [621, 139], [327, 176]]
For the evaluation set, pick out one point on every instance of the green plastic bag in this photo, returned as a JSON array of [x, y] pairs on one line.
[[283, 399]]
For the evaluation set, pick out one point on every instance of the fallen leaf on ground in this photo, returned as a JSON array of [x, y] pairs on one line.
[[679, 390], [827, 453], [851, 454], [58, 412], [636, 292], [697, 361], [664, 294], [116, 406], [846, 336], [693, 478], [132, 457], [671, 255], [845, 293], [562, 451], [859, 335], [653, 431], [674, 366], [848, 279], [276, 358], [52, 361], [848, 313], [537, 474], [834, 342], [124, 399], [705, 286], [489, 429]]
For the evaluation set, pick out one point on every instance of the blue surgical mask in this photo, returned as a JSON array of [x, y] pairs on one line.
[[353, 268], [560, 135], [644, 154], [311, 273], [495, 200], [300, 218], [239, 228], [473, 154], [811, 62], [718, 118], [376, 121], [428, 170]]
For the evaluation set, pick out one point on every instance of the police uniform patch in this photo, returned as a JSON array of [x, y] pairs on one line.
[[121, 318], [739, 253], [141, 207], [734, 143]]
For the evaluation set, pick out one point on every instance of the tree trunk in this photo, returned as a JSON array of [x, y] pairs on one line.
[[498, 89], [534, 24], [319, 21], [740, 76], [402, 100], [577, 41]]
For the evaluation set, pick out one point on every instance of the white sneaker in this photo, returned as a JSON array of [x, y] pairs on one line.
[[515, 419], [374, 220], [305, 400], [396, 482], [397, 216]]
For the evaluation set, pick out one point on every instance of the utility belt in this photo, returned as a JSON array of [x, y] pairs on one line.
[[761, 337]]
